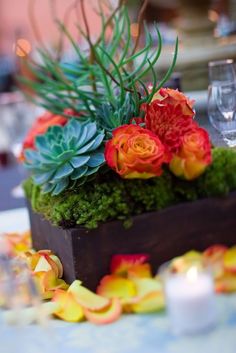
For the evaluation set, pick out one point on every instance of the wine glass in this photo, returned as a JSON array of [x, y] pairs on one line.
[[222, 99]]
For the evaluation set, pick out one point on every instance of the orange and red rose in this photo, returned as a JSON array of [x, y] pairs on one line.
[[170, 116], [194, 155], [174, 98], [135, 152], [169, 123]]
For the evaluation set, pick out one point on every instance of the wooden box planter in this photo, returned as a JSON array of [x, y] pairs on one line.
[[86, 254]]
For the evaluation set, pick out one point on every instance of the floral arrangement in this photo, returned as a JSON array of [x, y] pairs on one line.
[[111, 132], [129, 288]]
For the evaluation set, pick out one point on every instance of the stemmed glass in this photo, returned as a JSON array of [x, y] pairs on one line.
[[222, 99]]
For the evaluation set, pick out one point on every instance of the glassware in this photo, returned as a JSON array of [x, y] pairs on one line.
[[21, 306], [222, 99], [190, 299]]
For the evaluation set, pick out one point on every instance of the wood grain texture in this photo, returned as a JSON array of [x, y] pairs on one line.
[[86, 254]]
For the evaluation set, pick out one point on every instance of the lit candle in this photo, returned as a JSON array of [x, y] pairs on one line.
[[190, 299]]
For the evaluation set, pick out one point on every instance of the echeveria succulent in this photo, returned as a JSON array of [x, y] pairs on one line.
[[65, 154]]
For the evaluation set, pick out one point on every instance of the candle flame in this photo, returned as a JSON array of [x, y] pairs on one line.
[[192, 274]]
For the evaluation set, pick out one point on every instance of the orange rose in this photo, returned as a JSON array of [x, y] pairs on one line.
[[135, 152], [170, 116], [194, 155], [175, 97]]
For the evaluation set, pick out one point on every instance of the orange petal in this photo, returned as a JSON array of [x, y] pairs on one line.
[[226, 283], [140, 270], [182, 263], [53, 259], [214, 253], [47, 283], [51, 282], [112, 286], [45, 252], [230, 260], [86, 298], [120, 264], [213, 257], [105, 316], [68, 309], [32, 259], [39, 281]]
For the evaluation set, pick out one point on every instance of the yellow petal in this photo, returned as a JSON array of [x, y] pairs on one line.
[[146, 286], [105, 316], [113, 286], [32, 260], [68, 308], [86, 298], [58, 263], [226, 283], [230, 260], [153, 301], [140, 270], [182, 263]]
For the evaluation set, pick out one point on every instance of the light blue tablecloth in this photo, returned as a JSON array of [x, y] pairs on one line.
[[131, 334]]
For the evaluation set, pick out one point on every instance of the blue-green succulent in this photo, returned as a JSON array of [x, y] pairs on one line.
[[65, 154]]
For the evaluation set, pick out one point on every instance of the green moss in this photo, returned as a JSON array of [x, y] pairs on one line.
[[109, 197], [220, 177]]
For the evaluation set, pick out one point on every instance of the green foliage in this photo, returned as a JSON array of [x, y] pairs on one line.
[[109, 117], [65, 155], [220, 177], [104, 81], [109, 197]]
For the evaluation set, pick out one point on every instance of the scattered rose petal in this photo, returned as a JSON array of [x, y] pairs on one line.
[[68, 309], [107, 315], [86, 298], [140, 270], [120, 264], [112, 286], [151, 302], [230, 260]]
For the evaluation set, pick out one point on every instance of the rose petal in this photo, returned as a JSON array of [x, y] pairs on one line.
[[230, 260], [42, 265], [145, 286], [69, 309], [153, 301], [182, 263], [140, 270], [120, 264], [112, 286], [86, 298], [226, 283], [105, 316]]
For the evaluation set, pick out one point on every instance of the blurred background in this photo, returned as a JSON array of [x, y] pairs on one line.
[[206, 29]]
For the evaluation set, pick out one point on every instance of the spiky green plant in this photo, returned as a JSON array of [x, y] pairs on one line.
[[66, 155], [110, 117], [106, 81]]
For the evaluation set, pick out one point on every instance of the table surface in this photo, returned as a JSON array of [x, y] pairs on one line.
[[132, 333]]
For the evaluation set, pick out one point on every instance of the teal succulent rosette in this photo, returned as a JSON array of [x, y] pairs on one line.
[[66, 154]]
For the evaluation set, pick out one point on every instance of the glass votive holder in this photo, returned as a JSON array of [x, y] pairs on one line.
[[190, 299]]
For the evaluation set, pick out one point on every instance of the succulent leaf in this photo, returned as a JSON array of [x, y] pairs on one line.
[[66, 153]]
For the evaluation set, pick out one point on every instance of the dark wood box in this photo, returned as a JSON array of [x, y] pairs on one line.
[[86, 254]]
